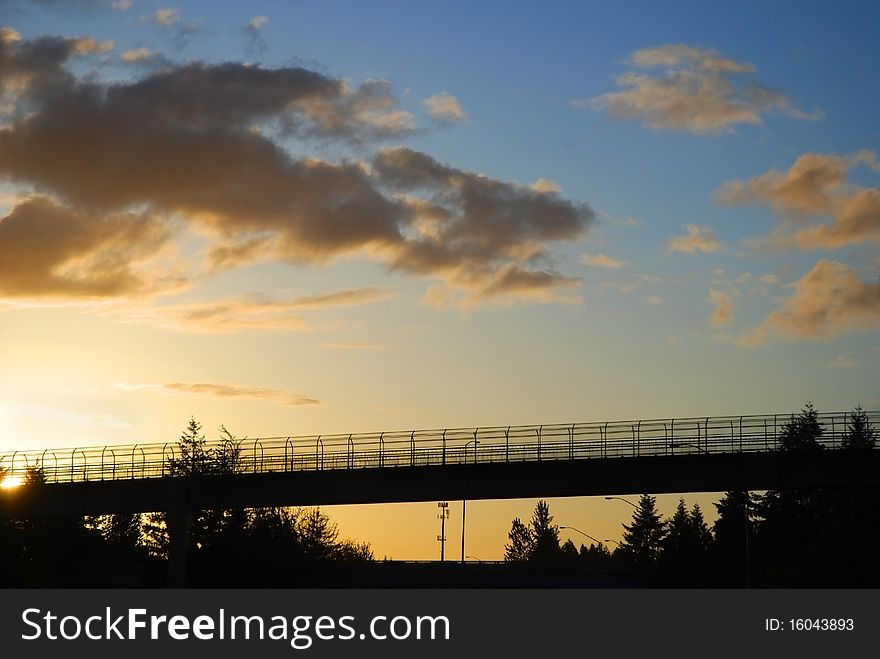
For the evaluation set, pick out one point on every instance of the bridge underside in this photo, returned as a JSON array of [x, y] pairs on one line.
[[561, 478]]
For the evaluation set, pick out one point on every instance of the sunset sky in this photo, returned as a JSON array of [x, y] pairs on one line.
[[320, 217]]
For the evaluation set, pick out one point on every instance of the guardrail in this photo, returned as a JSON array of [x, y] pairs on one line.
[[416, 448]]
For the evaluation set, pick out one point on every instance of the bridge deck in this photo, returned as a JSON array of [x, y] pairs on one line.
[[575, 441], [691, 455]]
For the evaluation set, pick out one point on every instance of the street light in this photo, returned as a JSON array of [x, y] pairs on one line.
[[582, 533], [624, 500]]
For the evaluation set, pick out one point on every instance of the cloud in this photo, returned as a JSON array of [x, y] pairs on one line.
[[208, 145], [136, 55], [602, 261], [166, 17], [478, 232], [255, 42], [828, 301], [258, 22], [540, 285], [722, 314], [816, 186], [655, 300], [769, 279], [173, 27], [234, 391], [283, 396], [49, 250], [444, 107], [697, 239], [245, 314], [545, 185], [122, 5], [696, 91]]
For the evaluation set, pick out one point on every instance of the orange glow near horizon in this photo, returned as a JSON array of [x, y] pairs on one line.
[[11, 482]]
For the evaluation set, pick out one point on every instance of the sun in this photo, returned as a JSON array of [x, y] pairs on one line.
[[11, 481]]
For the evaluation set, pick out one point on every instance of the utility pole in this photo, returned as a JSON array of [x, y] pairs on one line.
[[444, 513], [463, 504]]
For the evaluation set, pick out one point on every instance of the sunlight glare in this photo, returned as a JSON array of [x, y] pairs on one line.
[[11, 481]]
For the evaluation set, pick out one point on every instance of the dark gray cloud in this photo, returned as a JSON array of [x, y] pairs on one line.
[[210, 143], [473, 217]]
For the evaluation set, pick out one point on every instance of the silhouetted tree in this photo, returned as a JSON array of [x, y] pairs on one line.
[[854, 525], [120, 529], [51, 550], [596, 553], [220, 532], [734, 547], [545, 534], [795, 523], [519, 548], [860, 433], [685, 547], [539, 541], [802, 432], [568, 552], [643, 538]]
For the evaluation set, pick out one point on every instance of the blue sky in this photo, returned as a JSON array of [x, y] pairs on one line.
[[710, 170]]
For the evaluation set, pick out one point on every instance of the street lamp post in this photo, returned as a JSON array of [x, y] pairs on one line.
[[582, 533], [624, 500]]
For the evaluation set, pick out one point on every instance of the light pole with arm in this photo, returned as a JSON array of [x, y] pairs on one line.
[[624, 500], [582, 533]]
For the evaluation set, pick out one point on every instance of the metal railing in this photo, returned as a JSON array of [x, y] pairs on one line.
[[452, 446]]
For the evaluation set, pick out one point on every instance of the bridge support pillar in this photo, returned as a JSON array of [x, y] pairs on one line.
[[179, 524]]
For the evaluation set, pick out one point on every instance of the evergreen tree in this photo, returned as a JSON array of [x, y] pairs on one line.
[[194, 457], [796, 524], [595, 553], [734, 546], [678, 531], [568, 552], [643, 538], [519, 549], [544, 533], [539, 541], [860, 433], [686, 546], [701, 533], [803, 432], [218, 531]]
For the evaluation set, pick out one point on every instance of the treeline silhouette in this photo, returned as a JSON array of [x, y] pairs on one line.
[[815, 537], [234, 547]]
